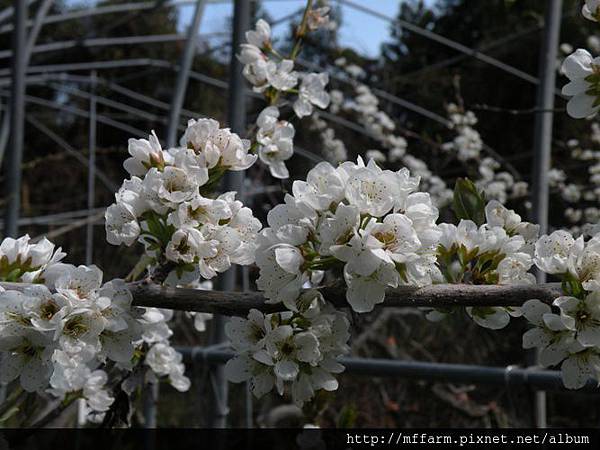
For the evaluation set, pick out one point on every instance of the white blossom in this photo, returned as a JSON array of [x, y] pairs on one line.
[[188, 244], [261, 35], [578, 67], [552, 252], [582, 316], [590, 10], [312, 92], [276, 141], [145, 153], [318, 18]]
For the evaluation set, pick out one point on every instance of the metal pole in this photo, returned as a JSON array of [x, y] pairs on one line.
[[184, 69], [234, 181], [509, 376], [33, 35], [542, 147], [7, 13], [150, 401], [89, 235], [15, 155], [34, 32]]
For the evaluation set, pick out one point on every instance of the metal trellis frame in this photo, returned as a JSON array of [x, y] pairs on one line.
[[428, 34], [511, 375], [91, 198], [542, 148], [187, 58], [17, 118], [233, 181]]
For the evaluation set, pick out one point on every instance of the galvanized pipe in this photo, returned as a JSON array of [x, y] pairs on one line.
[[509, 376], [542, 149], [185, 65], [91, 197], [234, 181], [17, 118]]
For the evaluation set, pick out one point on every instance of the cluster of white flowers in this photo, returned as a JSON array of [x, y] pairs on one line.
[[499, 185], [259, 70], [276, 140], [468, 143], [274, 76], [297, 348], [582, 197], [65, 331], [166, 204], [499, 251], [570, 338], [55, 334], [365, 220], [365, 106], [333, 149], [26, 262], [368, 224]]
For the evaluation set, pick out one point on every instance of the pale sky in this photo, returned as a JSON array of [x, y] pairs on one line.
[[359, 31]]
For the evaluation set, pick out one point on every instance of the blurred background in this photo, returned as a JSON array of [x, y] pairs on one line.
[[101, 72]]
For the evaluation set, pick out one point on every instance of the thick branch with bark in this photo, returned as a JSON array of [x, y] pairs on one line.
[[239, 303], [440, 295]]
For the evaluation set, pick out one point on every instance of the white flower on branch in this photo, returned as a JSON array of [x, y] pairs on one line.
[[498, 215], [261, 35], [199, 210], [281, 76], [552, 252], [145, 153], [312, 92], [22, 261], [164, 360], [590, 10], [582, 70], [297, 350], [276, 141], [323, 187], [122, 226], [26, 356], [549, 334], [214, 146], [279, 284], [366, 291], [582, 317], [188, 244], [318, 18], [71, 374], [172, 186]]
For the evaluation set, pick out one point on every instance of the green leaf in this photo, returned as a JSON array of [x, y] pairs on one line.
[[8, 414], [348, 416], [468, 202]]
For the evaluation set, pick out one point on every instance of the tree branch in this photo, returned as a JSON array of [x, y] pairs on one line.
[[239, 303]]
